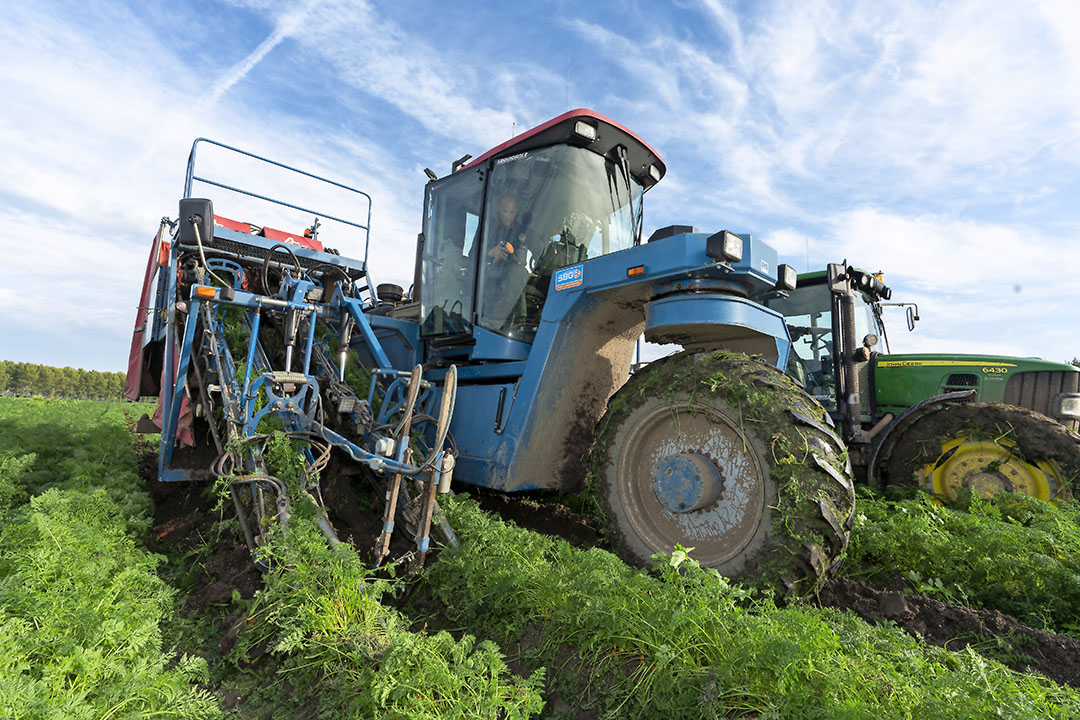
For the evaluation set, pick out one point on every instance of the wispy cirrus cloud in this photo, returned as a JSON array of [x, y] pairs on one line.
[[924, 139], [94, 136], [983, 286], [882, 101], [445, 91]]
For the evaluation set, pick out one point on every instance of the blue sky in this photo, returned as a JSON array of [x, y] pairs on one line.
[[937, 142]]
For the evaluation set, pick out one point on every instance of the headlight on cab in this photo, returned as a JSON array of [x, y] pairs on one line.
[[786, 277]]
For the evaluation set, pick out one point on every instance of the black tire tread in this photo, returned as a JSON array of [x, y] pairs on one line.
[[813, 508]]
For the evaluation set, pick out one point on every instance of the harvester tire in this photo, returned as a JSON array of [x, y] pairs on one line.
[[726, 456], [983, 448]]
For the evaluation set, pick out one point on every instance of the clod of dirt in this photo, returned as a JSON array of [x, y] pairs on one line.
[[230, 699], [955, 627], [235, 624]]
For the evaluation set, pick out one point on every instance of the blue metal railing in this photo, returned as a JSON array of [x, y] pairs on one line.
[[190, 177]]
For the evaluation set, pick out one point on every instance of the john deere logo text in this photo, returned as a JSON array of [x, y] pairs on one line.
[[569, 277]]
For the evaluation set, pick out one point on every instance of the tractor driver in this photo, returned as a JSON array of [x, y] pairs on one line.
[[507, 258], [508, 234]]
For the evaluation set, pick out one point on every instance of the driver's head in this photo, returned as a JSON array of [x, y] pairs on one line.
[[507, 210]]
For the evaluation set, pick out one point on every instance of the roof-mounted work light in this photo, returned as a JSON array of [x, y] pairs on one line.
[[724, 246], [786, 277], [585, 130]]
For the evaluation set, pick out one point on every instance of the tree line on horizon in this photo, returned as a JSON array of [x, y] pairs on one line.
[[27, 379]]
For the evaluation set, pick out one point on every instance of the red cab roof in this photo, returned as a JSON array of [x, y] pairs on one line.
[[610, 134]]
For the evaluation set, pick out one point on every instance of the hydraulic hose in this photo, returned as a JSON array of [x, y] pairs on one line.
[[202, 254], [410, 401], [266, 265]]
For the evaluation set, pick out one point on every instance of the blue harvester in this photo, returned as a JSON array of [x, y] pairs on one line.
[[531, 290]]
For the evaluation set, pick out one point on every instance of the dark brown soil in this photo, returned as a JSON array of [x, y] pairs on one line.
[[956, 627], [352, 513], [541, 517], [183, 517]]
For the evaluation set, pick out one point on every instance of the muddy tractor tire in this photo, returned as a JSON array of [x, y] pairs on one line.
[[726, 455], [956, 450]]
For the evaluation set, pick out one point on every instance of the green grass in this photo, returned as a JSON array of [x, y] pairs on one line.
[[80, 599], [1016, 554], [687, 644]]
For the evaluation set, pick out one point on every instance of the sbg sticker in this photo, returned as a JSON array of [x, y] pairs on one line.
[[569, 277]]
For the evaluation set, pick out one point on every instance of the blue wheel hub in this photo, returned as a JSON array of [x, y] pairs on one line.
[[686, 482]]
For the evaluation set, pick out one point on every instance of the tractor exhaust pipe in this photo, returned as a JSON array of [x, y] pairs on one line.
[[851, 374]]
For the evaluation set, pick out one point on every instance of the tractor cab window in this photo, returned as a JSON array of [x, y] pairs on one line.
[[451, 224], [808, 314], [547, 209], [868, 321]]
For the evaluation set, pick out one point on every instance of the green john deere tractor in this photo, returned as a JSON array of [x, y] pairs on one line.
[[951, 423]]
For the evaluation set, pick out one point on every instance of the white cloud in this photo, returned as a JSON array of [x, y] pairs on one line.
[[937, 253], [57, 275], [436, 89], [94, 142], [879, 100], [980, 287], [928, 140]]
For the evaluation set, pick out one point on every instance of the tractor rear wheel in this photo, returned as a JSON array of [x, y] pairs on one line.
[[727, 456], [986, 449]]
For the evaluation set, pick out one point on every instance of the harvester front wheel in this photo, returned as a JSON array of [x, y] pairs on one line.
[[725, 455], [985, 449]]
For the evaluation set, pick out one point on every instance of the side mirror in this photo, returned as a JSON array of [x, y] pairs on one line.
[[837, 277], [196, 212], [912, 316]]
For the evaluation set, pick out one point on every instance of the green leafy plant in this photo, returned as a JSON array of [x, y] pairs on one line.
[[681, 642], [343, 651], [1015, 554], [80, 599]]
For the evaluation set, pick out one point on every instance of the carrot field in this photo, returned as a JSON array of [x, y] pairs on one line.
[[120, 598]]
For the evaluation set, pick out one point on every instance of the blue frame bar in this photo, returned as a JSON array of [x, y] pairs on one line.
[[250, 355], [171, 413], [357, 453]]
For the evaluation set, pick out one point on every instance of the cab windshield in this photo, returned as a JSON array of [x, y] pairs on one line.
[[542, 210], [448, 270], [808, 314], [547, 209]]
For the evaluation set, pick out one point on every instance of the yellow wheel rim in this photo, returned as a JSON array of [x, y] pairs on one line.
[[987, 467]]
